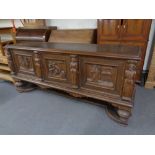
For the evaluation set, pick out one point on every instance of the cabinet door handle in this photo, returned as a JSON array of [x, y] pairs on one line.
[[124, 26], [118, 26]]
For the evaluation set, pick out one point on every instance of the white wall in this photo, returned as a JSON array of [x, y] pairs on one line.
[[60, 23], [72, 23], [8, 23]]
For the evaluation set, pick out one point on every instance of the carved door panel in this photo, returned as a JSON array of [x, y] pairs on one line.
[[102, 75], [135, 29], [56, 67], [108, 29], [23, 62]]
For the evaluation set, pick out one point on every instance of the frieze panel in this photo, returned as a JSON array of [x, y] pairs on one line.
[[25, 63], [56, 68], [101, 75]]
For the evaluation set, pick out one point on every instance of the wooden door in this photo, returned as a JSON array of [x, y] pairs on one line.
[[135, 29], [108, 29]]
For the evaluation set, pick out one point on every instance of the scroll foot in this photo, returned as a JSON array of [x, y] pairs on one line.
[[118, 114], [22, 86]]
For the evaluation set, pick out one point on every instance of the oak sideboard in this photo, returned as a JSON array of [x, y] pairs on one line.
[[103, 72]]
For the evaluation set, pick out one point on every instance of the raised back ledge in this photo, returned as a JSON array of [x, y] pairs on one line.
[[36, 34], [74, 36]]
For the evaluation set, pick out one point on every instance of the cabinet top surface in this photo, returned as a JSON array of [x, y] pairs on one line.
[[119, 51]]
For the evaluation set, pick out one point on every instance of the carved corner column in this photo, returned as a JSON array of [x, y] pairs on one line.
[[129, 80], [74, 71], [74, 74], [18, 83], [37, 65], [10, 62], [121, 114]]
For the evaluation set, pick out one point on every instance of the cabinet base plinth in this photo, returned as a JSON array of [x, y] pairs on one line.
[[76, 95], [24, 86], [113, 113]]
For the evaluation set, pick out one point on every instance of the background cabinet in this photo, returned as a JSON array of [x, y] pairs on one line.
[[108, 29], [135, 30], [125, 31]]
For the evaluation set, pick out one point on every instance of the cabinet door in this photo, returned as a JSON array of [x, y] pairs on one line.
[[135, 29], [108, 29], [102, 76]]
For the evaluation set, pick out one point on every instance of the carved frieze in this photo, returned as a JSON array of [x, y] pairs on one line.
[[57, 69], [93, 73], [25, 63], [101, 75]]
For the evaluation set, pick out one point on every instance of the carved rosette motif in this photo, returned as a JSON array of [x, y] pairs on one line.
[[37, 64], [10, 62], [129, 80], [74, 67]]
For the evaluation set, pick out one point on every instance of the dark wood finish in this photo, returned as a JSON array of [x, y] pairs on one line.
[[103, 72], [125, 31], [135, 30], [108, 29], [74, 36], [40, 34]]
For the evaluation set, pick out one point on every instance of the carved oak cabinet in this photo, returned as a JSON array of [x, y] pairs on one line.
[[102, 72]]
